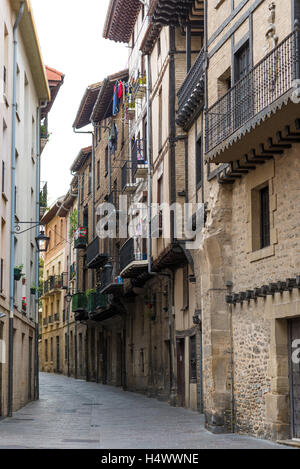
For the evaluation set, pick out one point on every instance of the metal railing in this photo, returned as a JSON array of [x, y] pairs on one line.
[[129, 253], [269, 80], [192, 80], [138, 156]]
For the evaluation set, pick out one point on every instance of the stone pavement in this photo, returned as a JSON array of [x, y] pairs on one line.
[[75, 415]]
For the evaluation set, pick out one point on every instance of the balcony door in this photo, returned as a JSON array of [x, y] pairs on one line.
[[243, 91]]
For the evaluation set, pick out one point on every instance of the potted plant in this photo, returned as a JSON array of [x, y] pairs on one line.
[[18, 272], [33, 289], [24, 304]]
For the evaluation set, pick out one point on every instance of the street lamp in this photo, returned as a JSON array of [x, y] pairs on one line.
[[42, 242], [68, 300]]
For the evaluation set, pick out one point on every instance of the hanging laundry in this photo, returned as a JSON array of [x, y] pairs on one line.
[[116, 100], [113, 139]]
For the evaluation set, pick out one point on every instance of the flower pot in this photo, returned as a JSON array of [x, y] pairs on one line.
[[17, 274]]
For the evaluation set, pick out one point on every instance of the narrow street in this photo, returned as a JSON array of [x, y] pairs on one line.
[[78, 415]]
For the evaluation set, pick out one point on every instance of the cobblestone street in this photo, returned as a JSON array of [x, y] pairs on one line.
[[75, 414]]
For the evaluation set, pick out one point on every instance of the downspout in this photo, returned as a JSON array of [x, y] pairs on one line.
[[37, 256], [172, 127], [149, 240], [13, 200]]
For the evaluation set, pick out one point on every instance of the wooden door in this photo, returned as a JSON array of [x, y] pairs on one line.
[[295, 376], [180, 373], [57, 355], [1, 359], [30, 350]]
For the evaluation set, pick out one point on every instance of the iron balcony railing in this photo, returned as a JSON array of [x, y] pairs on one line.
[[269, 80], [138, 156], [129, 253], [193, 83], [79, 302], [94, 257], [96, 301]]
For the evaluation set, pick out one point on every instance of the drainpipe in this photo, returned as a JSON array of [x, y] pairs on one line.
[[13, 201], [149, 240], [37, 256]]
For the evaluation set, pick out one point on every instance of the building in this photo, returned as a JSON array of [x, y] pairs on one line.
[[20, 144], [207, 115]]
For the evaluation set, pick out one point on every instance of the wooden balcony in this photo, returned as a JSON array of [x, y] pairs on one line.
[[191, 93], [259, 108]]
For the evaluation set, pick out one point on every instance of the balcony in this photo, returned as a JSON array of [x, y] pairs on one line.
[[96, 302], [139, 160], [81, 238], [56, 283], [256, 107], [191, 93], [94, 257], [133, 261], [79, 303], [110, 282], [128, 186]]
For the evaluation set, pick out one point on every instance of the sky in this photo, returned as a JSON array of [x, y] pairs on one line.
[[70, 35]]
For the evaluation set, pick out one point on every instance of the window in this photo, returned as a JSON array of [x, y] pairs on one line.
[[260, 214], [46, 350], [264, 218], [82, 188], [66, 346], [6, 55], [1, 275], [3, 178], [199, 162], [160, 128], [51, 349], [98, 173], [90, 179]]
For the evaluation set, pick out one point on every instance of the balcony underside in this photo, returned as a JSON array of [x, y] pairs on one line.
[[172, 256], [81, 315], [113, 289], [134, 269], [98, 261], [104, 314], [262, 129]]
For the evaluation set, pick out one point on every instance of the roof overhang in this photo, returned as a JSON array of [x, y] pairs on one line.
[[104, 103], [120, 19], [32, 48], [52, 213], [86, 106], [55, 81], [177, 12], [82, 157]]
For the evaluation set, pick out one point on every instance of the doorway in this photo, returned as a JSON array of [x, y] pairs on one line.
[[57, 355], [30, 350], [294, 348], [180, 373], [1, 359]]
